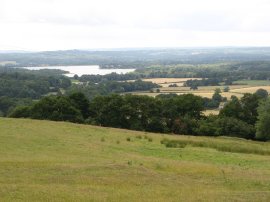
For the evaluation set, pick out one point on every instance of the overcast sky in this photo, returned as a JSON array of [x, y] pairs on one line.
[[90, 24]]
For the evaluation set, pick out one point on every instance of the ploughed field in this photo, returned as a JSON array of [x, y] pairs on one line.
[[57, 161]]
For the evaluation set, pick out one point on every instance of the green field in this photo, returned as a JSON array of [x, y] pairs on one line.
[[253, 82], [56, 161]]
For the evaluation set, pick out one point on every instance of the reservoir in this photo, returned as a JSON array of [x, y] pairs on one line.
[[80, 70]]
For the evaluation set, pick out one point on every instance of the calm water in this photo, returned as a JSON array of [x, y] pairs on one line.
[[80, 70]]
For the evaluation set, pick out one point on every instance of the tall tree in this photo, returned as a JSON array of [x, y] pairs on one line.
[[263, 123]]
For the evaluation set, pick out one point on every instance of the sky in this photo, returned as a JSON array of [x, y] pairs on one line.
[[36, 25]]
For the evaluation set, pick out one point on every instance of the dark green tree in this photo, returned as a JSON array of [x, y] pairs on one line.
[[217, 95], [232, 109], [250, 103], [262, 93], [81, 103]]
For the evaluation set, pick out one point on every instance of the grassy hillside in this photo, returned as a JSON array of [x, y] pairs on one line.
[[54, 161]]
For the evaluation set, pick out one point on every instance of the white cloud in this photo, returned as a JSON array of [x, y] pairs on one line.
[[68, 24]]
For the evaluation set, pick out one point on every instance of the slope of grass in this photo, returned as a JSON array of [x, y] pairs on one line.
[[55, 161]]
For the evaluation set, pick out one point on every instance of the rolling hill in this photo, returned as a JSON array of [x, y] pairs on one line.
[[58, 161]]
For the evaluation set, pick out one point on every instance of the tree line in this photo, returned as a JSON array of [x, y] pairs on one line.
[[178, 114], [107, 87]]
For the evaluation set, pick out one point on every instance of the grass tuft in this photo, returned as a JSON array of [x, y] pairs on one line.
[[224, 147], [139, 137]]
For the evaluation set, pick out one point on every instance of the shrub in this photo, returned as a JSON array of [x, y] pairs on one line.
[[173, 143], [225, 126], [21, 112]]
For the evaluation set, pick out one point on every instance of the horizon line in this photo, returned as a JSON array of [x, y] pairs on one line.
[[126, 48]]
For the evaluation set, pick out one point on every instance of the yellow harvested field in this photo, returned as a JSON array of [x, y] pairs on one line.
[[169, 80], [174, 89], [166, 85], [209, 95], [165, 82], [201, 89], [212, 111]]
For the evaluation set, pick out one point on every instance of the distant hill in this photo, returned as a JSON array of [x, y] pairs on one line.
[[137, 58], [58, 161]]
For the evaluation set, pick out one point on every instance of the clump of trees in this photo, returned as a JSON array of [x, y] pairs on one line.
[[204, 82], [247, 117], [173, 85]]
